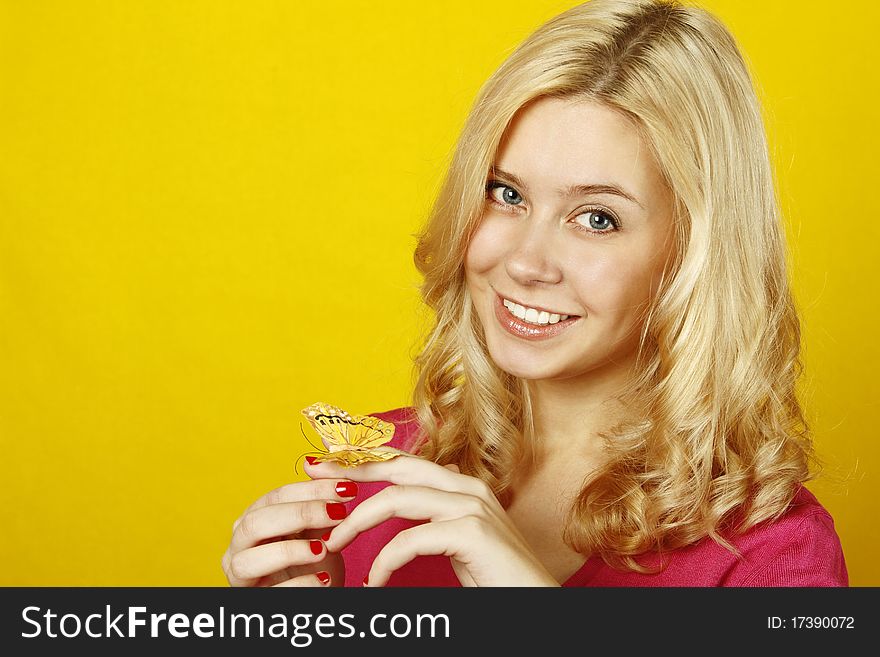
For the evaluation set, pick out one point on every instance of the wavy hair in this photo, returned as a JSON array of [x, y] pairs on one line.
[[719, 440]]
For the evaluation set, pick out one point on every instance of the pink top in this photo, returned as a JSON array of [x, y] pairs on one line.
[[800, 549]]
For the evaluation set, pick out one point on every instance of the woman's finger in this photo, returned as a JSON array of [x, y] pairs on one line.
[[321, 578], [268, 558], [405, 470], [301, 491], [400, 501], [276, 520], [446, 537]]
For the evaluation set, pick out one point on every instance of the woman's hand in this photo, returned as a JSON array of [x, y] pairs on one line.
[[467, 523], [275, 541]]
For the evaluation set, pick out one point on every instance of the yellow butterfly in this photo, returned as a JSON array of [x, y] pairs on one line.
[[350, 440]]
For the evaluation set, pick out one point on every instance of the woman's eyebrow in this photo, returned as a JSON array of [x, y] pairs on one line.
[[572, 190]]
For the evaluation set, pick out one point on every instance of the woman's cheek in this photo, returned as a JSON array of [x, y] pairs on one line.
[[600, 282], [485, 249], [625, 292]]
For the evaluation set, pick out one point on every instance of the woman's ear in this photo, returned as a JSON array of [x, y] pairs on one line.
[[453, 467]]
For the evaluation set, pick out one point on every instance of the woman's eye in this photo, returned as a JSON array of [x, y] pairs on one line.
[[508, 196], [598, 220]]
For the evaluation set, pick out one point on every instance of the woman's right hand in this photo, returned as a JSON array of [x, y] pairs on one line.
[[274, 542]]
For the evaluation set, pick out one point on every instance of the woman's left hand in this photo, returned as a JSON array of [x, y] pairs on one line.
[[467, 523]]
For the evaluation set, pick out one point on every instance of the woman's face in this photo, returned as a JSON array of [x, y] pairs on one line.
[[555, 237]]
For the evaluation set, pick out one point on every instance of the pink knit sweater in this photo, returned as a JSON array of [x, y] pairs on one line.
[[800, 549]]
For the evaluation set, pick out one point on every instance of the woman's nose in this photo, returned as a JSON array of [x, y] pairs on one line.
[[531, 258]]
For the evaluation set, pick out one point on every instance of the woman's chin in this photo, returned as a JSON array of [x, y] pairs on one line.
[[523, 369]]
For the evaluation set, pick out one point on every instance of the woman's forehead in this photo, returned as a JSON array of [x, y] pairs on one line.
[[556, 145]]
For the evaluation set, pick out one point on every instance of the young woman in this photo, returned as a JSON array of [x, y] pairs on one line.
[[607, 397]]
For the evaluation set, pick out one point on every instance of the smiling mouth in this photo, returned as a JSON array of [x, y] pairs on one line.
[[540, 328], [533, 314]]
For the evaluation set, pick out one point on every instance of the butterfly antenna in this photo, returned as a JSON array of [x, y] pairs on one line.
[[300, 457], [308, 440]]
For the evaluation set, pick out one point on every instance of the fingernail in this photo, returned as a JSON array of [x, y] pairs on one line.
[[336, 510], [311, 460], [346, 489], [316, 546], [365, 580], [325, 536], [324, 577]]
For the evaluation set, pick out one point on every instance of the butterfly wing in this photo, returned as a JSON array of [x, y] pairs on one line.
[[354, 457], [350, 440], [330, 422], [368, 431]]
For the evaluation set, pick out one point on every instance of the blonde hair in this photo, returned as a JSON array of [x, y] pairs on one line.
[[720, 435]]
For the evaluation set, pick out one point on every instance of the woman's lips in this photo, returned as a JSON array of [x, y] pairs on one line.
[[522, 329]]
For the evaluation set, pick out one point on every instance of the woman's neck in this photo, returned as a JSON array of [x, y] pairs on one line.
[[569, 414]]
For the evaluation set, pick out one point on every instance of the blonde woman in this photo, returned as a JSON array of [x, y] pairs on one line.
[[607, 397]]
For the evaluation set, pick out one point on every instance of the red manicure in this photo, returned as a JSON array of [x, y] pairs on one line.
[[316, 546], [336, 510], [324, 576], [365, 580], [311, 460], [346, 489], [325, 536]]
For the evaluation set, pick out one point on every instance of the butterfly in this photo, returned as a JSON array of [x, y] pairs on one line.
[[351, 440]]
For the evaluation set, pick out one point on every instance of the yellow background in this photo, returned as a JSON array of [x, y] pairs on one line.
[[206, 218]]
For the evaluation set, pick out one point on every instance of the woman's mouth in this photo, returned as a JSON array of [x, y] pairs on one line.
[[530, 330]]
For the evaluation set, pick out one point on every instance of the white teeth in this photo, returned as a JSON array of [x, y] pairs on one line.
[[532, 315]]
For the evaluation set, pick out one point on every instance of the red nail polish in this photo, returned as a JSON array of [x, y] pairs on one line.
[[346, 489], [316, 546], [336, 510], [311, 460], [365, 580], [325, 536], [324, 576]]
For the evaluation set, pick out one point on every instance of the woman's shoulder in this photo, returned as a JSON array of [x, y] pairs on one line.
[[800, 548], [406, 425]]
